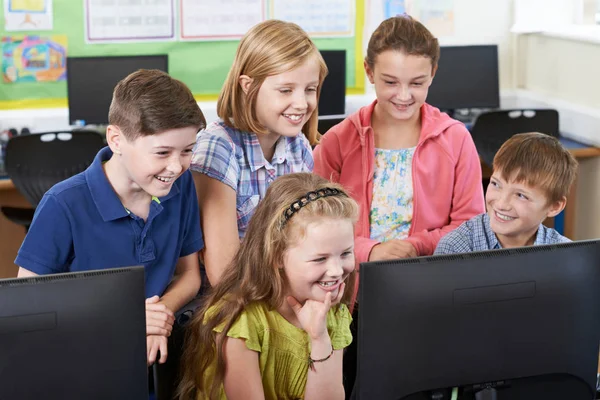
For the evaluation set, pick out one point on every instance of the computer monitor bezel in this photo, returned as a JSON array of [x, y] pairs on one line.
[[452, 102], [433, 361], [74, 335], [76, 97], [332, 102]]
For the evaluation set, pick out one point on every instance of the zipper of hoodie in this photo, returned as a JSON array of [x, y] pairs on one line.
[[412, 173], [363, 140]]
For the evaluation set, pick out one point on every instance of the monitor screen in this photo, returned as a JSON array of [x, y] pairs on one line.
[[467, 77], [333, 92], [74, 336], [91, 81], [525, 322]]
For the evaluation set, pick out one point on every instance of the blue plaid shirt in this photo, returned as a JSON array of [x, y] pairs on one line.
[[477, 235], [236, 159]]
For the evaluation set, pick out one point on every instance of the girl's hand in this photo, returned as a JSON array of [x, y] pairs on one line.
[[313, 314]]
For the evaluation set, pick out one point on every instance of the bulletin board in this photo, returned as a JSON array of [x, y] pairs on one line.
[[203, 66]]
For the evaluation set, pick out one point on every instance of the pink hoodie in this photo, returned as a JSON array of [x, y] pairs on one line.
[[446, 174]]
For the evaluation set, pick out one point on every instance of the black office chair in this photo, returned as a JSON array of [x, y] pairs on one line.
[[37, 162], [491, 129]]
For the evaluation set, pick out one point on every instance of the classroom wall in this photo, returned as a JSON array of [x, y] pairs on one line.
[[564, 70], [486, 22], [474, 23], [560, 67]]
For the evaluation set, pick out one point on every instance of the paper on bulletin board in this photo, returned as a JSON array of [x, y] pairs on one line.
[[319, 18], [214, 19], [436, 15], [34, 58], [392, 8], [119, 21], [28, 15]]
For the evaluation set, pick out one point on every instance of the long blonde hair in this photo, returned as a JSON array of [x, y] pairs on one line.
[[254, 276], [269, 48]]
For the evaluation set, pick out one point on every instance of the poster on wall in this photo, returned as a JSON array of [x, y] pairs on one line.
[[34, 58], [436, 15], [213, 19], [28, 15], [119, 21], [331, 18], [392, 8]]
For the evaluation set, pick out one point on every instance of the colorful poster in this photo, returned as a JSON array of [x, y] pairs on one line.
[[28, 15], [34, 58]]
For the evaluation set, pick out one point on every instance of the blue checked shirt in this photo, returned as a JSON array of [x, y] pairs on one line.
[[477, 235], [236, 159]]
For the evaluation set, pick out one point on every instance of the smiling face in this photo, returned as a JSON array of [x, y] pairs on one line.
[[152, 163], [286, 101], [401, 83], [321, 260], [516, 210]]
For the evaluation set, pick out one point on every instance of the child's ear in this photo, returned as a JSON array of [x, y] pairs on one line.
[[114, 138], [433, 71], [557, 207], [245, 82], [369, 73]]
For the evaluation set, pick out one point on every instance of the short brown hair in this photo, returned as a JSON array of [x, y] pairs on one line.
[[403, 33], [149, 101], [269, 48], [538, 160]]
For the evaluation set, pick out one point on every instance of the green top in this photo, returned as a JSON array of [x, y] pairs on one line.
[[284, 348]]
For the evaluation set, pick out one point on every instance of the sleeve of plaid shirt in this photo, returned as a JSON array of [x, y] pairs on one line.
[[214, 156]]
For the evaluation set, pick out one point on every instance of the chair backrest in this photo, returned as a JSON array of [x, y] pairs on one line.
[[491, 129], [37, 162]]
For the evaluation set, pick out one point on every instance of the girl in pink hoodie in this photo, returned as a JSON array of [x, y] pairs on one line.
[[413, 170]]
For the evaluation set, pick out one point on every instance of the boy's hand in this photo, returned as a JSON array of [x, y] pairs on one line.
[[154, 344], [159, 319], [392, 249], [313, 314]]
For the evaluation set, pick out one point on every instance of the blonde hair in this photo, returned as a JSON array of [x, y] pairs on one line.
[[269, 48], [255, 276], [538, 160]]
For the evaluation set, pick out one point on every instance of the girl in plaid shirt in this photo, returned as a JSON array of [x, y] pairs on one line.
[[267, 124]]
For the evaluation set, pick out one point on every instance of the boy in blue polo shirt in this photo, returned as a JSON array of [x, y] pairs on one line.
[[135, 205], [532, 176]]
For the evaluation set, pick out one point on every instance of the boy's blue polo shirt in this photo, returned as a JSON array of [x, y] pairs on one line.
[[81, 225]]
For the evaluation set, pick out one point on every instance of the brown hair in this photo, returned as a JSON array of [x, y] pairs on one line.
[[149, 101], [538, 160], [269, 48], [254, 276], [403, 33]]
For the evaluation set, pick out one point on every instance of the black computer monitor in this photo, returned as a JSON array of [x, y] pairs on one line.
[[467, 77], [74, 336], [91, 80], [332, 102], [526, 320]]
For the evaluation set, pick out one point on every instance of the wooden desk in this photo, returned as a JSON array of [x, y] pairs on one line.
[[580, 152], [11, 234]]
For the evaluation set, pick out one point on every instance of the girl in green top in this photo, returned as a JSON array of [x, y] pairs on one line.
[[276, 324]]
